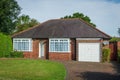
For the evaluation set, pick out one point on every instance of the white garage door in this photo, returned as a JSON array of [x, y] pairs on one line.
[[89, 52]]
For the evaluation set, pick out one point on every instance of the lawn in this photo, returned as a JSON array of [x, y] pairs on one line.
[[26, 69]]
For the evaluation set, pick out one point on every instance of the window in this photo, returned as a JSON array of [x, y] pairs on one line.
[[59, 45], [22, 44]]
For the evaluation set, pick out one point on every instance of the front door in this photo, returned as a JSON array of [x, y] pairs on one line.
[[41, 50]]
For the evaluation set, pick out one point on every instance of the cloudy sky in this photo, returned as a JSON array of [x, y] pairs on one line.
[[104, 13]]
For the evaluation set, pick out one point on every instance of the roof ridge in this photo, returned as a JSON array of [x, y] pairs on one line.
[[70, 18], [62, 19]]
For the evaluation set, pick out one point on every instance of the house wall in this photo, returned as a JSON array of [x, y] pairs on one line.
[[50, 55], [46, 48], [73, 49], [59, 56], [64, 55], [88, 41], [72, 55], [35, 50]]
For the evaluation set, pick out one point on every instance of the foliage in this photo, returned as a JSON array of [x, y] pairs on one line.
[[119, 55], [119, 32], [81, 16], [106, 55], [26, 69], [23, 22], [5, 45], [16, 54], [114, 39], [9, 10]]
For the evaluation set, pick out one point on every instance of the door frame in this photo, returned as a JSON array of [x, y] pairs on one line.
[[41, 49]]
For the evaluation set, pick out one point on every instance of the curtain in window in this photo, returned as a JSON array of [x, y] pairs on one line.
[[59, 45], [22, 44]]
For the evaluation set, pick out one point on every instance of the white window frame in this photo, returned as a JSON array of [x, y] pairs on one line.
[[58, 40], [21, 40]]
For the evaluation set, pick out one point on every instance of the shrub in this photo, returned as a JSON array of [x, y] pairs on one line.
[[5, 45], [106, 55], [16, 54], [119, 55]]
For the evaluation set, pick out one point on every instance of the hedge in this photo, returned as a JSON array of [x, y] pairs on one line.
[[118, 55], [105, 55], [16, 54], [5, 45]]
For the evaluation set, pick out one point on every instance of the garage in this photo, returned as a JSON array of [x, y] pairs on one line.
[[89, 52]]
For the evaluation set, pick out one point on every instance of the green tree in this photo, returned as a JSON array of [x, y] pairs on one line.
[[119, 32], [114, 39], [9, 10], [5, 45], [23, 22], [81, 16]]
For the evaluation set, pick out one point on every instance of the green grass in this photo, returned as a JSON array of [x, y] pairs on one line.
[[26, 69]]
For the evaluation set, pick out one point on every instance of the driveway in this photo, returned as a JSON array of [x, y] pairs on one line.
[[92, 71]]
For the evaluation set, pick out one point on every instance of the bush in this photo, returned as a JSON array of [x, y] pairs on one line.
[[5, 45], [105, 55], [16, 54], [119, 55]]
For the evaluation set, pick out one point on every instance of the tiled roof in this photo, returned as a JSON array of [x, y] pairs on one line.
[[62, 28]]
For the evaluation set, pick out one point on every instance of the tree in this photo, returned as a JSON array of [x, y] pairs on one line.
[[5, 45], [81, 16], [113, 39], [119, 32], [23, 22], [9, 10]]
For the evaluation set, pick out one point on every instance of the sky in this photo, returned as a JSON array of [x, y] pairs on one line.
[[104, 13]]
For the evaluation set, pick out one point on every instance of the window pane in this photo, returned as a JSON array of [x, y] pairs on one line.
[[15, 46], [59, 45], [56, 46], [22, 44]]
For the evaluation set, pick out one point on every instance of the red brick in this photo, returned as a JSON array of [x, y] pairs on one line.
[[59, 56], [35, 50]]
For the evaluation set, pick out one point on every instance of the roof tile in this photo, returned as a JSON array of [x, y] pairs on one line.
[[63, 28]]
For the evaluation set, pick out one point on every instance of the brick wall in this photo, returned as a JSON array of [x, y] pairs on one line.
[[46, 49], [73, 49], [48, 55], [35, 50], [59, 56], [64, 56]]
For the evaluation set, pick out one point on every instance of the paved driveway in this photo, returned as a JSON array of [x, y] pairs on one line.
[[92, 71]]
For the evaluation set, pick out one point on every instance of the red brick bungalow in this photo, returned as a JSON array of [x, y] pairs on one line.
[[61, 39]]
